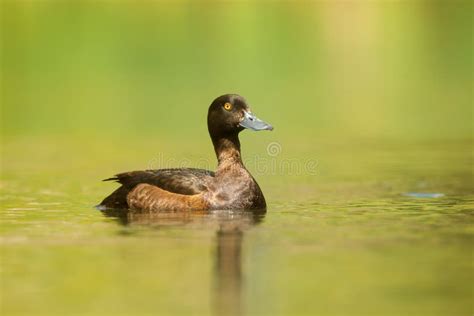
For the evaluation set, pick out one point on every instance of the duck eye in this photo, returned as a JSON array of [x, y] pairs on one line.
[[228, 106]]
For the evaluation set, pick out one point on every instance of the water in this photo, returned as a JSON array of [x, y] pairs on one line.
[[344, 239]]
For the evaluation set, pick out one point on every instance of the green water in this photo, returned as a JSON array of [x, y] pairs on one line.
[[344, 241], [368, 175]]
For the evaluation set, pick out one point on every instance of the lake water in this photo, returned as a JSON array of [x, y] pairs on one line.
[[356, 237]]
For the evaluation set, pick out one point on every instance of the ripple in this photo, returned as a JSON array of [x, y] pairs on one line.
[[424, 195]]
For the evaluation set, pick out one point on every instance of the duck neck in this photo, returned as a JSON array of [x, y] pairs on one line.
[[227, 148]]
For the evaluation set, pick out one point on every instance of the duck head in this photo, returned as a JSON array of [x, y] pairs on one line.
[[229, 114]]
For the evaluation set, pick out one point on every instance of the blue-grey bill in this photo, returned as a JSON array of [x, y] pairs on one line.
[[252, 122]]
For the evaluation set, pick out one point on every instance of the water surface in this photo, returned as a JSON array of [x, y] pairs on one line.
[[344, 239]]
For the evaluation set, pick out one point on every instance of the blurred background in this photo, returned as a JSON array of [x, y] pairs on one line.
[[377, 93], [360, 69]]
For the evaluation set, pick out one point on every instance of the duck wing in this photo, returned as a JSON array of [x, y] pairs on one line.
[[186, 181]]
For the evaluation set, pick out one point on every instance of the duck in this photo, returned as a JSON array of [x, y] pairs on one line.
[[230, 187]]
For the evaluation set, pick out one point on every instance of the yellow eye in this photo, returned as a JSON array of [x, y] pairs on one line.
[[228, 106]]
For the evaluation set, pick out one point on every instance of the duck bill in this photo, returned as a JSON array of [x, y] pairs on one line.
[[252, 122]]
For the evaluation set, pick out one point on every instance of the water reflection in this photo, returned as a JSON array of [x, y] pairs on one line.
[[229, 226]]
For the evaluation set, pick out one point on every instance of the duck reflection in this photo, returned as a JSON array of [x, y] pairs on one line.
[[230, 227], [228, 272], [228, 261]]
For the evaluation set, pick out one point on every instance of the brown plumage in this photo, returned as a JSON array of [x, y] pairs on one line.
[[230, 187]]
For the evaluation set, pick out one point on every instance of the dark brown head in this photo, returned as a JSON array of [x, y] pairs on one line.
[[229, 114]]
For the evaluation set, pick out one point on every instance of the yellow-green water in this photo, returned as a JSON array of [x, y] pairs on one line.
[[368, 175]]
